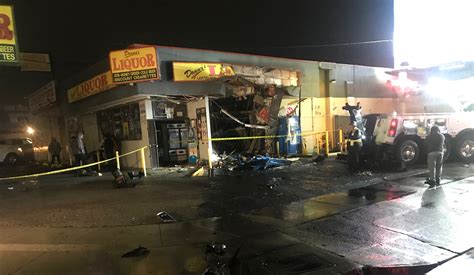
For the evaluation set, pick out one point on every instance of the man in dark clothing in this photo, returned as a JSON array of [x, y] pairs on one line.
[[54, 149], [354, 147], [435, 143], [110, 147]]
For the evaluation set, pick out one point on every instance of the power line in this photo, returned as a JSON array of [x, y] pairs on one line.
[[335, 44]]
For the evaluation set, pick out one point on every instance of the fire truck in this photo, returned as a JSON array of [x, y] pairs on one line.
[[402, 136]]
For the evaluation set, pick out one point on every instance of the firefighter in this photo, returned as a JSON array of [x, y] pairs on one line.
[[354, 147]]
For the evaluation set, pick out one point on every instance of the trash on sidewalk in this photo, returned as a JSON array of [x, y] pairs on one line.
[[319, 158], [121, 181], [137, 252], [165, 217], [11, 188], [216, 248], [257, 163]]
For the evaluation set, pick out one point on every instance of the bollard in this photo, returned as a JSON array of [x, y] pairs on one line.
[[117, 159], [341, 142], [98, 160], [327, 143], [317, 144], [142, 156]]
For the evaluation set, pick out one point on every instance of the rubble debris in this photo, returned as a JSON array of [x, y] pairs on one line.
[[319, 158], [140, 251], [165, 217], [216, 248], [255, 163], [134, 175], [121, 181]]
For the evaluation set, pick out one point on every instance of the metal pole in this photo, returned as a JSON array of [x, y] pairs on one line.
[[300, 146], [209, 133], [327, 143], [117, 159], [98, 159], [341, 142], [142, 155]]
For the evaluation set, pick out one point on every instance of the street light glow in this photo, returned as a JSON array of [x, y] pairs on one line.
[[30, 130], [432, 32]]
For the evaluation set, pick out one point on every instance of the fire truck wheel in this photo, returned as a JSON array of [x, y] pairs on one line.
[[465, 148], [408, 151]]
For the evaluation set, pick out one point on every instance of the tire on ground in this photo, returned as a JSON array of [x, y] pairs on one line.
[[465, 147], [408, 151], [11, 158]]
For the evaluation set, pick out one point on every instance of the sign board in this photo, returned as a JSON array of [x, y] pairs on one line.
[[90, 87], [193, 71], [134, 65], [35, 62], [8, 45], [43, 97]]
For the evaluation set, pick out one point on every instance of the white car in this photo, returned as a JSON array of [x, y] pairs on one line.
[[10, 154]]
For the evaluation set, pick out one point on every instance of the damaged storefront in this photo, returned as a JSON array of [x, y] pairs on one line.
[[189, 105]]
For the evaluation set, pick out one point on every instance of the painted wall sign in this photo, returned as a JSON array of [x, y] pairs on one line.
[[90, 87], [134, 65], [191, 71], [42, 97], [8, 45]]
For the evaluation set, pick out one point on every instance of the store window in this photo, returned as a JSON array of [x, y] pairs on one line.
[[122, 122]]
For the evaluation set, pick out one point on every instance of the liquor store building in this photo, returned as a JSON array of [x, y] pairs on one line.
[[194, 88]]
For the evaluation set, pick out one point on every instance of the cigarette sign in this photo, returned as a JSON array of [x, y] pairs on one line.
[[188, 71], [8, 46], [134, 65]]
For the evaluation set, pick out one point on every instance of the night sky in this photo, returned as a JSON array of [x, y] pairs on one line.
[[79, 33]]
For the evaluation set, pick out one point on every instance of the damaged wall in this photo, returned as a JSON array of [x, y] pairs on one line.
[[192, 107]]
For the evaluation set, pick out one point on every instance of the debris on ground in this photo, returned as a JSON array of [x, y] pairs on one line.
[[218, 263], [256, 163], [137, 252], [165, 217], [121, 181], [10, 188], [319, 158]]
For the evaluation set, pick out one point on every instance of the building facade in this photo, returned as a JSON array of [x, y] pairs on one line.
[[200, 87]]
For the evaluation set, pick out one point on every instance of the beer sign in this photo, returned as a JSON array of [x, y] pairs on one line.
[[8, 45], [134, 65]]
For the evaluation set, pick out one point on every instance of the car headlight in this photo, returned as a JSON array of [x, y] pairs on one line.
[[20, 150]]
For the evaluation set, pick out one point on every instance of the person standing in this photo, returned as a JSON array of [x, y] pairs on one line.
[[110, 147], [354, 147], [435, 142], [54, 149], [78, 149]]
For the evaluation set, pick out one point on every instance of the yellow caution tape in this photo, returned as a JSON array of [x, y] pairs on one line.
[[70, 169], [265, 137]]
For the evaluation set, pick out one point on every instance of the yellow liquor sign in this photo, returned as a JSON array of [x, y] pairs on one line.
[[193, 71], [8, 45], [90, 87], [134, 65]]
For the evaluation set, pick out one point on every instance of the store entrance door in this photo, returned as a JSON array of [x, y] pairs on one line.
[[172, 142]]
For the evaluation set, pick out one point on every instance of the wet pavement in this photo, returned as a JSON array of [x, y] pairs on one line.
[[287, 221]]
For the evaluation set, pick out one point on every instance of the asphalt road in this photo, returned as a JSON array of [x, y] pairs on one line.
[[64, 224]]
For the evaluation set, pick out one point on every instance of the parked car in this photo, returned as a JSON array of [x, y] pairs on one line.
[[10, 154]]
